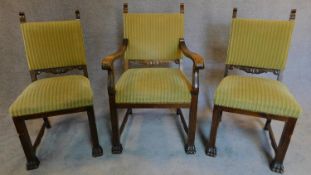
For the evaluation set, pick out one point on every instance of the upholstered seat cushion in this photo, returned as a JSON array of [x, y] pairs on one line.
[[257, 95], [53, 94], [153, 85]]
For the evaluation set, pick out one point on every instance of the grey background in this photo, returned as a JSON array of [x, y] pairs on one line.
[[153, 142]]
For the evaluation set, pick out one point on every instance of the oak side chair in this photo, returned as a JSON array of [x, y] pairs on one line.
[[53, 47], [258, 46], [153, 41]]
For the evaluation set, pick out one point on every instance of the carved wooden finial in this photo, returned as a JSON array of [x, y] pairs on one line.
[[234, 13], [77, 14], [22, 17], [125, 8], [182, 8], [292, 15]]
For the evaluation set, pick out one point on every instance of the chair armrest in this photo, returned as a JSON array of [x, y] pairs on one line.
[[107, 62], [198, 61]]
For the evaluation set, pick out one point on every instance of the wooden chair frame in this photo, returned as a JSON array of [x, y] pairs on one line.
[[29, 148], [107, 64], [281, 148]]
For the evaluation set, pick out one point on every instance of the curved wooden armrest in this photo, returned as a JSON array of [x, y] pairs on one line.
[[107, 61], [198, 61]]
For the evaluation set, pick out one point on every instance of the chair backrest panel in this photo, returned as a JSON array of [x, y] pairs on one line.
[[259, 43], [53, 44], [153, 36]]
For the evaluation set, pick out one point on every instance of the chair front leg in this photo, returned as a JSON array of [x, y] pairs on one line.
[[211, 147], [116, 145], [277, 164], [96, 148], [32, 161], [190, 147]]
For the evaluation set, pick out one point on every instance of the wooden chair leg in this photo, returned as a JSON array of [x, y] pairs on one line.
[[130, 111], [277, 164], [32, 161], [211, 148], [268, 122], [220, 118], [47, 122], [190, 147], [116, 145], [97, 149]]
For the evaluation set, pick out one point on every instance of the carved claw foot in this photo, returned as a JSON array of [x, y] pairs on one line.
[[211, 151], [277, 167], [97, 151], [117, 149], [190, 149], [33, 164]]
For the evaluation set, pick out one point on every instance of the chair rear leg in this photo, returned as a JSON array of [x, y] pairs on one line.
[[97, 149], [268, 122], [211, 148], [32, 161], [116, 145], [277, 164], [47, 122], [190, 147]]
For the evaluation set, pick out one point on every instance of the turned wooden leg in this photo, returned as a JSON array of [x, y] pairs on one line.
[[211, 148], [97, 149], [116, 145], [190, 147], [277, 164], [32, 161], [47, 122]]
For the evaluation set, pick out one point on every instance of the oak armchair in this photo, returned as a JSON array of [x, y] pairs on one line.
[[258, 46], [153, 40], [53, 47]]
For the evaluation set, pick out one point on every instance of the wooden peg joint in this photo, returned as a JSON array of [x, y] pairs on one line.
[[77, 14], [182, 8], [234, 13], [22, 17], [292, 14], [125, 8]]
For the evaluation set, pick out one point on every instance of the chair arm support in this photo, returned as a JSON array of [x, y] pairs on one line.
[[107, 62], [198, 61]]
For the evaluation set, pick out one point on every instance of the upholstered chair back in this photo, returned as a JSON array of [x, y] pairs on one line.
[[53, 44], [259, 43], [153, 36]]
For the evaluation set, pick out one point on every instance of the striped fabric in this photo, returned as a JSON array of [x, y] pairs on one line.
[[260, 43], [257, 95], [53, 94], [153, 85], [53, 44], [153, 36]]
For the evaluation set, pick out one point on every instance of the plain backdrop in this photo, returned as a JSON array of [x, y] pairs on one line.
[[207, 24]]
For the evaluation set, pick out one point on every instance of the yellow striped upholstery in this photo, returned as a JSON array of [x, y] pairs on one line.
[[153, 85], [53, 94], [259, 43], [153, 36], [257, 95], [53, 44]]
